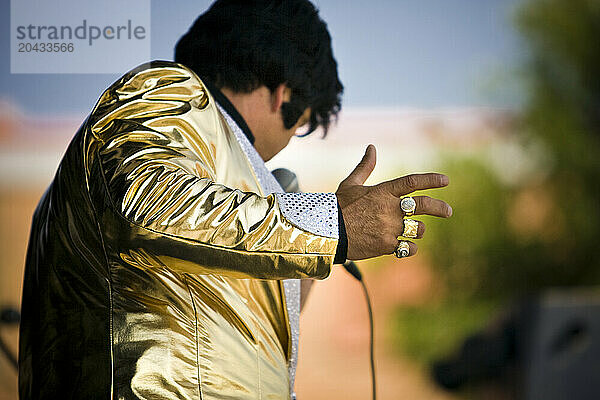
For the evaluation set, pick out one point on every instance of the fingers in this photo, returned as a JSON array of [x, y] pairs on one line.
[[362, 171], [409, 183], [426, 205]]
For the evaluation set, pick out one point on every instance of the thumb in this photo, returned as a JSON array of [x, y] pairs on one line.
[[363, 169]]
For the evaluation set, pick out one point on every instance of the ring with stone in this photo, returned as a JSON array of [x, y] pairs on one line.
[[403, 249], [411, 227], [408, 205]]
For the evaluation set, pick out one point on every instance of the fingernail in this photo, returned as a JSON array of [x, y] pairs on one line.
[[445, 180], [449, 211]]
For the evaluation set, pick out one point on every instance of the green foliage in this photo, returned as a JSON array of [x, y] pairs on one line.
[[463, 248], [564, 112], [510, 238], [426, 334]]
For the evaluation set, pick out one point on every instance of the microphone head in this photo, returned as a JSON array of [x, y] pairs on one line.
[[287, 179]]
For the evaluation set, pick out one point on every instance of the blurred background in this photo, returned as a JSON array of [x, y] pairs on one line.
[[503, 96]]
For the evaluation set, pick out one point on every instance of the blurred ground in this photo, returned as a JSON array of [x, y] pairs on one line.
[[334, 352]]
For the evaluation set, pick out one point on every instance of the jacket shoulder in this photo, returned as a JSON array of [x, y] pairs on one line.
[[152, 89]]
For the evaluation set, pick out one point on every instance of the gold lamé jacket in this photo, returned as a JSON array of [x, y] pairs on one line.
[[162, 260]]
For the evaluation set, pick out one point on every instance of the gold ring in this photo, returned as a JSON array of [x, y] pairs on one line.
[[403, 249], [411, 227]]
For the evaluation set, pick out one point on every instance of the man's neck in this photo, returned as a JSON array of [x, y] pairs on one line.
[[255, 109], [231, 109]]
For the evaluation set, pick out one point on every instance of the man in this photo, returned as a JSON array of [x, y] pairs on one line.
[[164, 258]]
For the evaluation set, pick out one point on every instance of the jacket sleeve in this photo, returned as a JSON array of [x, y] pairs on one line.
[[155, 134]]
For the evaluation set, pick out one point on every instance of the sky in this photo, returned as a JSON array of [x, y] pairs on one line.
[[391, 53]]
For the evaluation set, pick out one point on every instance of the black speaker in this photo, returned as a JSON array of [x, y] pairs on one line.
[[546, 347], [559, 346]]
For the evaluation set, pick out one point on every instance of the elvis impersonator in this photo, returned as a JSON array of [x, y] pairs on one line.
[[165, 260]]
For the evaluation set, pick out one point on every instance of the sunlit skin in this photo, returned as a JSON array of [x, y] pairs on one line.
[[261, 109]]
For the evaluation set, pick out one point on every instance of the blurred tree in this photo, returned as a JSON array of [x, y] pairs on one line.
[[564, 112], [506, 239]]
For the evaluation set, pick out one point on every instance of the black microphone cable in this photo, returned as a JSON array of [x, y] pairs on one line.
[[289, 182], [351, 267]]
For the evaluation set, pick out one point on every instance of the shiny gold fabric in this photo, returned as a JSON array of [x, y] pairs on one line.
[[154, 262]]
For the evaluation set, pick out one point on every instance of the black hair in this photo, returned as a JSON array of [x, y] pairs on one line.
[[243, 44]]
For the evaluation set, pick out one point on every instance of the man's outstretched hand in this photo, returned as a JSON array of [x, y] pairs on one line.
[[372, 214]]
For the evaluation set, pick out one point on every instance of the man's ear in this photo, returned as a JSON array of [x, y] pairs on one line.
[[281, 94]]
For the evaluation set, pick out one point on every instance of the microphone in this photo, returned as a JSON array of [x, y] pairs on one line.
[[287, 179], [289, 182]]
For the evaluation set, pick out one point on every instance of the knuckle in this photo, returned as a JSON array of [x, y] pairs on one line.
[[392, 205], [424, 203], [381, 189], [410, 181]]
